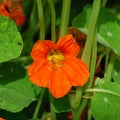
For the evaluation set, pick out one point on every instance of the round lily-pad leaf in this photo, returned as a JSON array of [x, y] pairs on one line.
[[11, 42], [16, 91], [106, 106], [110, 32]]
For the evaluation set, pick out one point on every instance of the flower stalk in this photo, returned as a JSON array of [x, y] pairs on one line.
[[41, 19], [65, 17], [104, 2], [39, 103], [91, 32], [53, 20], [110, 67], [89, 52], [53, 114]]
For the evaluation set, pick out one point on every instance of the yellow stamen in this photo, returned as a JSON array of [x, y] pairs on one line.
[[55, 57]]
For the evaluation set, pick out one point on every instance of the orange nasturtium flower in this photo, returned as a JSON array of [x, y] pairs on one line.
[[56, 67], [13, 10], [2, 119]]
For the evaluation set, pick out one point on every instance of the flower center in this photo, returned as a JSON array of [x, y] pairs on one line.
[[56, 58]]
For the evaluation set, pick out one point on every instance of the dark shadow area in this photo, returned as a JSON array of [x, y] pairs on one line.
[[10, 72]]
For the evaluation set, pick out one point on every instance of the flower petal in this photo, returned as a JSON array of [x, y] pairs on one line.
[[59, 86], [68, 46], [14, 10], [40, 73], [77, 71], [36, 65], [41, 48]]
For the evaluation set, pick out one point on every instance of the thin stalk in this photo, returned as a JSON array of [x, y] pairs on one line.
[[65, 17], [91, 32], [110, 67], [53, 114], [39, 103], [41, 19], [106, 60], [53, 20], [88, 51], [100, 58], [75, 115], [93, 62], [92, 72], [103, 91], [75, 99], [104, 2]]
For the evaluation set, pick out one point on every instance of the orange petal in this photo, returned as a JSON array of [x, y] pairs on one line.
[[41, 48], [3, 10], [19, 17], [14, 10], [41, 74], [68, 46], [2, 119], [58, 85], [36, 65], [77, 71]]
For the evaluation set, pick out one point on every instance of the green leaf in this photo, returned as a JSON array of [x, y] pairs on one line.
[[61, 104], [99, 38], [37, 90], [81, 20], [108, 27], [16, 91], [109, 36], [10, 40], [111, 33], [116, 71], [106, 106]]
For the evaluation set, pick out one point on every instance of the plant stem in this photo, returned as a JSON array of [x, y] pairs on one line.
[[88, 51], [100, 58], [75, 99], [91, 32], [92, 71], [110, 67], [41, 19], [75, 115], [53, 20], [103, 91], [53, 114], [103, 3], [39, 103], [93, 62], [65, 17], [106, 60]]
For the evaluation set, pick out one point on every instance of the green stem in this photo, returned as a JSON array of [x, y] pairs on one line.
[[53, 20], [93, 62], [41, 19], [106, 60], [88, 51], [75, 115], [75, 99], [39, 103], [103, 3], [91, 32], [32, 15], [53, 114], [103, 91], [100, 58], [65, 17], [110, 67], [92, 72]]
